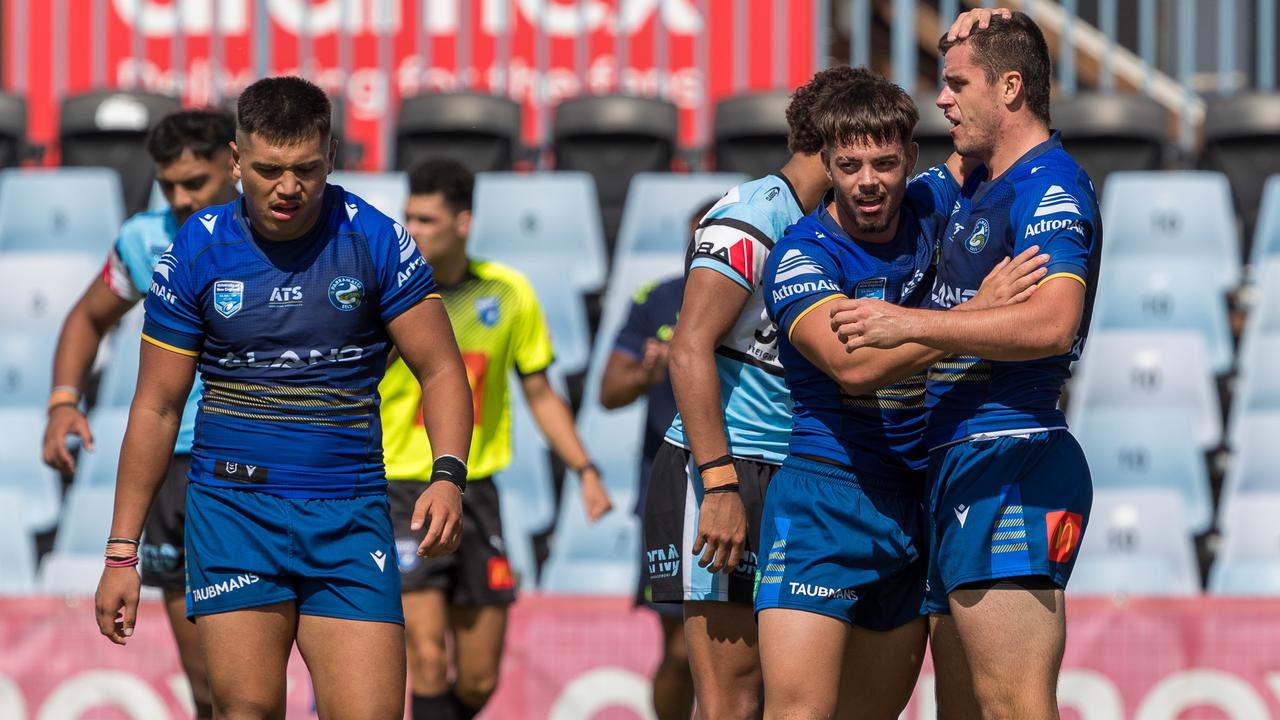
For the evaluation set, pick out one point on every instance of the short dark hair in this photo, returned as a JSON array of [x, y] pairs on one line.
[[446, 176], [866, 109], [204, 132], [285, 110], [1013, 44], [803, 136]]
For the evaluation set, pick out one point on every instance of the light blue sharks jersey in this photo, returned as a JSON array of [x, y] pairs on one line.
[[142, 240], [734, 239]]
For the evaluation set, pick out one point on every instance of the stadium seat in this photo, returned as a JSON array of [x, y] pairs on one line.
[[86, 520], [613, 137], [562, 308], [26, 368], [1149, 448], [480, 131], [120, 371], [108, 128], [19, 576], [750, 133], [1136, 543], [388, 192], [1256, 458], [1266, 233], [42, 287], [548, 215], [59, 209], [13, 130], [1164, 215], [73, 574], [23, 471], [1139, 294], [527, 483], [1242, 140], [1248, 559], [1107, 131], [659, 206], [932, 133], [98, 468], [598, 558], [1149, 370]]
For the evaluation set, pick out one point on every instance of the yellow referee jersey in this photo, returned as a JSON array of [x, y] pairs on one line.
[[499, 327]]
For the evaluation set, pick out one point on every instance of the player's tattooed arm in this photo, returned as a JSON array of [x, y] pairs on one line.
[[555, 420], [425, 339], [165, 379], [711, 306]]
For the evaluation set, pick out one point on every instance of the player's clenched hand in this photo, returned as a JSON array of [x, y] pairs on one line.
[[981, 17], [722, 531], [867, 322], [594, 496], [442, 503], [116, 603], [1010, 282], [65, 420]]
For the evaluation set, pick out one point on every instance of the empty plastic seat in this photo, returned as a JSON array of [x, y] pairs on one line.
[[41, 287], [932, 133], [1136, 543], [120, 370], [613, 137], [26, 367], [1165, 295], [1257, 457], [1248, 559], [480, 131], [750, 134], [98, 468], [1242, 139], [1108, 132], [59, 209], [108, 128], [22, 470], [549, 215], [1173, 214], [1149, 448], [1148, 370], [75, 574], [13, 129], [388, 192], [1266, 233], [19, 576], [526, 483], [598, 558], [562, 308], [659, 207], [86, 520]]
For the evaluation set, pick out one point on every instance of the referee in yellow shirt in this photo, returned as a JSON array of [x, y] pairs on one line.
[[499, 328]]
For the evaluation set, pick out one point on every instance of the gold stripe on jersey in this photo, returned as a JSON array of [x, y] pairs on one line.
[[322, 406], [358, 423], [961, 369]]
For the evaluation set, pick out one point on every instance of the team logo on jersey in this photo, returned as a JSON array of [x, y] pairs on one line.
[[228, 297], [794, 264], [771, 194], [346, 293], [978, 239], [1056, 200], [873, 288], [487, 310]]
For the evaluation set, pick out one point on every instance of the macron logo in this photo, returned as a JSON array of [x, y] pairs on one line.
[[793, 265], [1057, 200], [352, 209], [962, 514], [166, 262], [380, 558], [208, 220], [406, 244]]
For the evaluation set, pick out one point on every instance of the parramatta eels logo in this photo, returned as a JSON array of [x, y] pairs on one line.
[[978, 239], [346, 293], [228, 297]]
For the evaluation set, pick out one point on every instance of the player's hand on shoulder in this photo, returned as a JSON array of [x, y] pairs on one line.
[[65, 420], [867, 322], [722, 532], [439, 507], [116, 603], [963, 26], [1010, 282], [595, 498]]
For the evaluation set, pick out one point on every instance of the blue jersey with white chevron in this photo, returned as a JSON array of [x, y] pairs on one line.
[[734, 239], [880, 433], [142, 240], [1045, 199], [291, 341]]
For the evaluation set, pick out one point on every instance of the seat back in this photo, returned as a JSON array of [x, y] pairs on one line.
[[13, 129], [22, 470], [41, 287], [1248, 559], [74, 209], [480, 131], [750, 133], [659, 208], [1110, 132], [1242, 140], [1136, 543]]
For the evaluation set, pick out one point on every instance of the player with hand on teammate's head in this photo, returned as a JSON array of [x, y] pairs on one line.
[[192, 153], [500, 329], [1009, 487], [287, 300]]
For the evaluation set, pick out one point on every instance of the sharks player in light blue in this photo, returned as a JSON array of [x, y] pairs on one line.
[[192, 152], [288, 300]]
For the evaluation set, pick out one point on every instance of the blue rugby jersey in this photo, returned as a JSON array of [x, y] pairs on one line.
[[734, 239], [291, 342], [1045, 199], [880, 433]]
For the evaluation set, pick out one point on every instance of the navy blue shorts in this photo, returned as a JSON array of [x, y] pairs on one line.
[[334, 557], [848, 547], [1003, 507]]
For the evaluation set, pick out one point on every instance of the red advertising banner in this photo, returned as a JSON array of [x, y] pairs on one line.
[[572, 658], [527, 49]]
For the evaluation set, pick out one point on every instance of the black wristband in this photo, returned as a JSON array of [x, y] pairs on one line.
[[729, 488], [450, 469], [588, 466], [718, 462]]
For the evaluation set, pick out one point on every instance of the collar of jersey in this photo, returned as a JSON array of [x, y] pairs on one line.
[[880, 250], [324, 221], [981, 186]]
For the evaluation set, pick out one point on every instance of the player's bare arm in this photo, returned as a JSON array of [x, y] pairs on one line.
[[712, 304], [627, 377], [164, 381], [88, 322], [1043, 326], [555, 420], [424, 337]]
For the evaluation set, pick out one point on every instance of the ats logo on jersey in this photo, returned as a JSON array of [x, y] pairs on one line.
[[978, 239], [487, 310], [285, 296], [346, 293], [228, 297], [1065, 530]]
